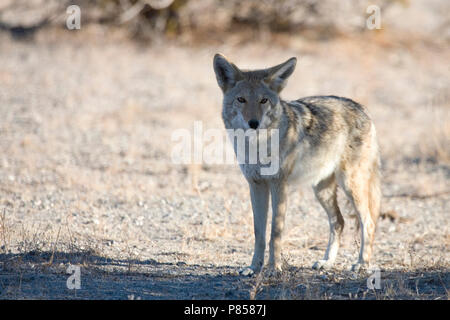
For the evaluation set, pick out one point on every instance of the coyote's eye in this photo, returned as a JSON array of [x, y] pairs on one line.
[[263, 100], [241, 100]]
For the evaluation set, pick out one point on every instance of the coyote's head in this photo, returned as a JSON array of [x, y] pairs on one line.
[[251, 98]]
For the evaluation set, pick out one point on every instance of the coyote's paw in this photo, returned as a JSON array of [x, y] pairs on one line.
[[358, 267], [323, 264], [274, 270], [247, 271], [273, 273]]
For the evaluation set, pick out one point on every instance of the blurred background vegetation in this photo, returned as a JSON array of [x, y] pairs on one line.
[[209, 19]]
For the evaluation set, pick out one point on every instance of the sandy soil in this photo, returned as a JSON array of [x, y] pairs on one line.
[[87, 177]]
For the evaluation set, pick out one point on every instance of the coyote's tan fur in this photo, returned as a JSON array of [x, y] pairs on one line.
[[324, 141]]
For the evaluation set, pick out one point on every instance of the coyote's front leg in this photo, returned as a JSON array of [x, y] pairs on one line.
[[279, 204], [259, 193]]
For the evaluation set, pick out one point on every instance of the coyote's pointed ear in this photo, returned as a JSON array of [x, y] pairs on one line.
[[227, 73], [278, 75]]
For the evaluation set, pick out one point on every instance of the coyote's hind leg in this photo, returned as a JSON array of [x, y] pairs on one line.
[[362, 188], [325, 192]]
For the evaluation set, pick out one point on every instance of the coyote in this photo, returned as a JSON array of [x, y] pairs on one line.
[[324, 141]]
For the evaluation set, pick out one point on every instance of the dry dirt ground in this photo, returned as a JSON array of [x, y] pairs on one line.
[[87, 178]]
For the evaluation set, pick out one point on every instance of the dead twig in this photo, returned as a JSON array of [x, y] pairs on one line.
[[135, 9], [50, 262]]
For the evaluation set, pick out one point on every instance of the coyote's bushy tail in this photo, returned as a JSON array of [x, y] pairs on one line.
[[375, 190], [374, 184]]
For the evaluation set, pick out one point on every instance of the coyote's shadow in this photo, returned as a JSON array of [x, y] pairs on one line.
[[44, 275]]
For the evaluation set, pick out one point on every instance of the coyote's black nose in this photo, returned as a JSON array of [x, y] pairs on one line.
[[253, 123]]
